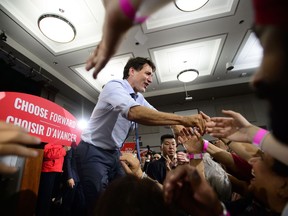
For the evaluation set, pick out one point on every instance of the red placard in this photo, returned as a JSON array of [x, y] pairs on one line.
[[41, 117], [128, 147]]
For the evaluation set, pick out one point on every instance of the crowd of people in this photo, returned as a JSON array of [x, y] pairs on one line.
[[255, 167]]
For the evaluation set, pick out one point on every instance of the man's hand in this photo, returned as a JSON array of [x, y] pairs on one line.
[[182, 158], [189, 137], [234, 127], [197, 122], [71, 183], [131, 164]]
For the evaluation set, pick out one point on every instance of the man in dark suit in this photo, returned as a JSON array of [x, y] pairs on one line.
[[73, 199]]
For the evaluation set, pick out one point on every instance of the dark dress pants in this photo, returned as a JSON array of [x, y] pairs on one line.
[[45, 192], [97, 167]]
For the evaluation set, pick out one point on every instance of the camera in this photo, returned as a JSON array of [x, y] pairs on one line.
[[229, 66], [3, 36]]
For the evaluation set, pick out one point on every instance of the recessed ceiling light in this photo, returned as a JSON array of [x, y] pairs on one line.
[[56, 28], [188, 6]]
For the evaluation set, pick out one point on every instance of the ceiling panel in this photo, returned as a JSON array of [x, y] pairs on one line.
[[113, 70], [249, 54], [205, 39], [197, 54], [88, 22], [170, 16]]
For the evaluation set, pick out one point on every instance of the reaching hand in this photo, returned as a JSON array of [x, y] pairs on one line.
[[11, 140], [199, 123], [205, 116], [182, 158], [116, 24], [234, 127], [131, 164], [184, 187], [99, 58], [189, 137]]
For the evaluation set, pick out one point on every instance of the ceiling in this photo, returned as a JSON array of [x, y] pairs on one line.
[[206, 40]]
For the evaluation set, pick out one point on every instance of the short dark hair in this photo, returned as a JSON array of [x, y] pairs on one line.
[[166, 136], [137, 63]]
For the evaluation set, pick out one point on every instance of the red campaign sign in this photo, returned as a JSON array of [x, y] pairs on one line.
[[128, 147], [41, 117]]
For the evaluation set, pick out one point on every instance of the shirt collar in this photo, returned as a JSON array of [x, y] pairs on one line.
[[129, 88]]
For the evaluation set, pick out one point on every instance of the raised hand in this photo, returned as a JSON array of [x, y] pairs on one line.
[[12, 141], [116, 24], [99, 58], [131, 164], [189, 137], [182, 158], [185, 188], [235, 127]]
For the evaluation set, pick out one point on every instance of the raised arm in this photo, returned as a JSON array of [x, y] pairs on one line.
[[120, 16], [116, 24], [147, 116], [237, 128], [234, 127], [131, 165]]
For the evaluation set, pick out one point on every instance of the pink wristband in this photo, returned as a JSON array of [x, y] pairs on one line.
[[130, 12], [196, 156], [200, 155], [259, 136], [127, 8], [205, 145]]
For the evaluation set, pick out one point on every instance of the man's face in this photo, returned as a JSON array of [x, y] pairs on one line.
[[273, 67], [270, 80], [169, 147], [156, 156], [140, 80], [266, 184]]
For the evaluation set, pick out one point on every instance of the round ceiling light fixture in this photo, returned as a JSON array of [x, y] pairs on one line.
[[188, 75], [188, 6], [56, 28]]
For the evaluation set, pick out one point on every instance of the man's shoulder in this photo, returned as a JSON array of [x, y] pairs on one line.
[[156, 163], [114, 81], [113, 87], [114, 84]]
